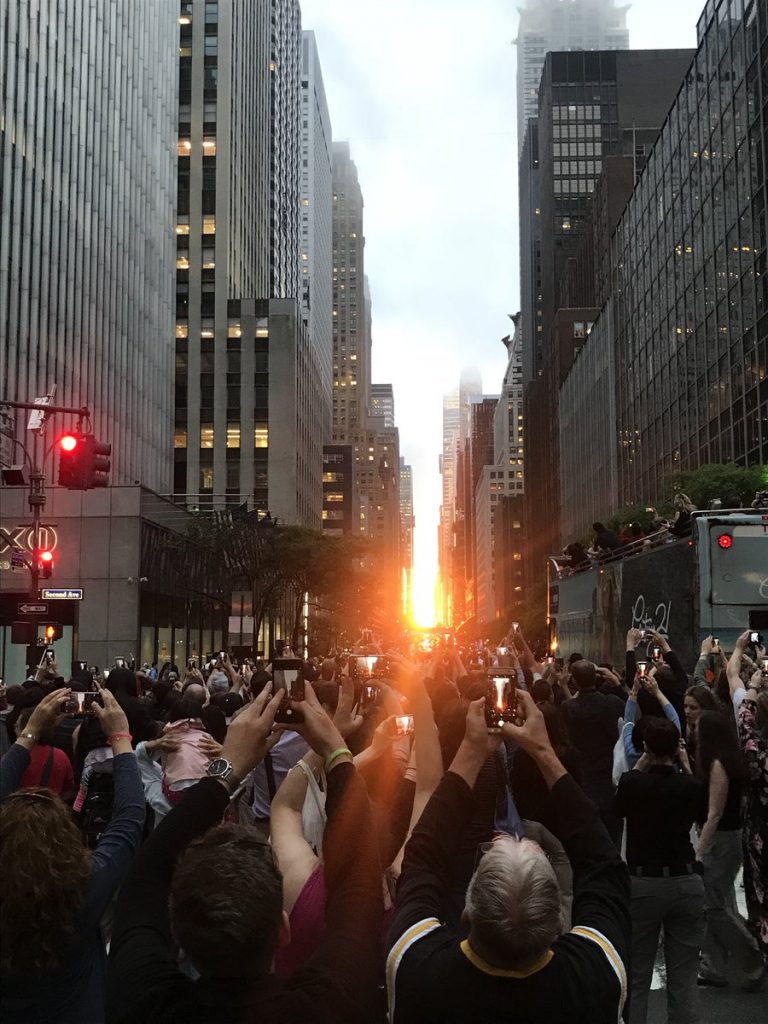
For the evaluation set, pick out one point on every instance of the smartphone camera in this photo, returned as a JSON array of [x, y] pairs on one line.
[[288, 675], [119, 662], [755, 638], [656, 654], [642, 669], [500, 700], [764, 668], [400, 725], [370, 666]]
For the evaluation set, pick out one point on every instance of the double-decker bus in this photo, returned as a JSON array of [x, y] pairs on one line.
[[714, 582]]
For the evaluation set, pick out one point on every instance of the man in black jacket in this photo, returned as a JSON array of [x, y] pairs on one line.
[[592, 720], [660, 805], [222, 901], [515, 964]]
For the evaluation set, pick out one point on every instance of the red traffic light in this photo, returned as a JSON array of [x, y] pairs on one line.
[[725, 540], [46, 556], [68, 443]]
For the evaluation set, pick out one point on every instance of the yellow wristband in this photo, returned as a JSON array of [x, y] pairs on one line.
[[332, 758]]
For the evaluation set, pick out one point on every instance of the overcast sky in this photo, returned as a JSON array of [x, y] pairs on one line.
[[424, 90]]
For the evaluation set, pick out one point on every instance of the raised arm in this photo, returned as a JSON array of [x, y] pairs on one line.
[[16, 760], [733, 668]]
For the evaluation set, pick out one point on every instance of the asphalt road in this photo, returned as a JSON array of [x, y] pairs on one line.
[[716, 1006]]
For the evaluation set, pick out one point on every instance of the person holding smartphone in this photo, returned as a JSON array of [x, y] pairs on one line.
[[52, 956], [516, 964]]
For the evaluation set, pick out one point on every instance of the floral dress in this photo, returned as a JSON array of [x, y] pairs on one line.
[[754, 746]]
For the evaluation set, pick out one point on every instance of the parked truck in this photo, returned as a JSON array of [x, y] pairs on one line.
[[714, 582]]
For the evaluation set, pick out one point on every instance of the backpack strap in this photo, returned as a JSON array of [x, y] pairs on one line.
[[270, 770], [46, 776]]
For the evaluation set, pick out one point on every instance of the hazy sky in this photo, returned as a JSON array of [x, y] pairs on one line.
[[424, 90]]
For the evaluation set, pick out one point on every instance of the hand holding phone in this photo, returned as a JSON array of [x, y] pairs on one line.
[[399, 726], [500, 699]]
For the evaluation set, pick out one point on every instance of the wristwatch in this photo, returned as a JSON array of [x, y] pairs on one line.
[[223, 770]]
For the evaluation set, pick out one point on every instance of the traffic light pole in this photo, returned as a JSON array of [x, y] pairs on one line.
[[37, 496]]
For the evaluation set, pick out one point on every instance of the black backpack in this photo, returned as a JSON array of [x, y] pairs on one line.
[[96, 812]]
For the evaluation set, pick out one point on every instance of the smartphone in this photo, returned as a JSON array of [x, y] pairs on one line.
[[643, 634], [119, 662], [365, 666], [755, 638], [764, 667], [288, 675], [49, 655], [369, 696], [500, 699], [502, 650], [222, 655], [642, 669], [549, 660], [656, 653], [515, 626], [192, 663], [559, 662], [716, 641], [400, 725]]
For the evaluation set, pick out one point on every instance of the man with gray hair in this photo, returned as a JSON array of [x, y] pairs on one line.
[[515, 963]]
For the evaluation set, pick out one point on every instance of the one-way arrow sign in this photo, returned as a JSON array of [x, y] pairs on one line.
[[33, 609]]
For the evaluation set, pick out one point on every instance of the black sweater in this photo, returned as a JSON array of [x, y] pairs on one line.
[[432, 978], [145, 985]]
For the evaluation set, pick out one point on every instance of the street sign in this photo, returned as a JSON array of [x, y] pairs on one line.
[[63, 594], [37, 418], [33, 609]]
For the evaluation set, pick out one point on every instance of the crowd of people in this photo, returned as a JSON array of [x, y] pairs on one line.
[[209, 846]]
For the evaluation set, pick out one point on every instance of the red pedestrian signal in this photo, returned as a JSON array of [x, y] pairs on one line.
[[45, 563]]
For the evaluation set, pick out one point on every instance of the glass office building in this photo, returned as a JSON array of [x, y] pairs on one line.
[[689, 265]]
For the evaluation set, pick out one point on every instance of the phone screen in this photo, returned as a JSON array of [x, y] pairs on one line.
[[288, 675], [500, 700], [642, 669], [400, 725]]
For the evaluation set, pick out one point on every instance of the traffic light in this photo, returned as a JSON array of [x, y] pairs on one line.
[[70, 462], [52, 631], [84, 462], [45, 563], [96, 462]]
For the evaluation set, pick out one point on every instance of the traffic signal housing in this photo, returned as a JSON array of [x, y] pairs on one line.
[[84, 462], [52, 631], [45, 563], [71, 462]]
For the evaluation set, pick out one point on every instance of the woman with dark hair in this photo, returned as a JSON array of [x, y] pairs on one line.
[[697, 699], [55, 892], [123, 684], [727, 939]]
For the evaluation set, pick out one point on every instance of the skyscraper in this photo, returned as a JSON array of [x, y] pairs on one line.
[[383, 403], [561, 25], [87, 196], [351, 338], [249, 402], [316, 218], [407, 524]]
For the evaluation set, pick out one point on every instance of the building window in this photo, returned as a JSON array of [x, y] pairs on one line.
[[182, 330], [182, 262], [182, 228], [233, 329], [209, 146], [209, 225], [206, 435], [183, 147], [209, 258], [233, 435], [180, 439], [333, 496], [206, 478], [261, 436]]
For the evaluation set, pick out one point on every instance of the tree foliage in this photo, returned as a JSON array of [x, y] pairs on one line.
[[724, 481]]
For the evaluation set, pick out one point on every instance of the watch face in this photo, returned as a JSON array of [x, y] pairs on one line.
[[218, 767]]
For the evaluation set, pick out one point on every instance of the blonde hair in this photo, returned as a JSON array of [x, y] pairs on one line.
[[513, 904]]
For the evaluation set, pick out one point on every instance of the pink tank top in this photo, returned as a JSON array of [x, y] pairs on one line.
[[189, 761]]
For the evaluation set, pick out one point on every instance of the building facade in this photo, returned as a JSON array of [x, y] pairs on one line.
[[689, 259], [553, 25], [86, 246], [339, 490], [383, 403], [531, 323], [589, 486], [316, 219], [249, 399], [592, 105], [407, 526]]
